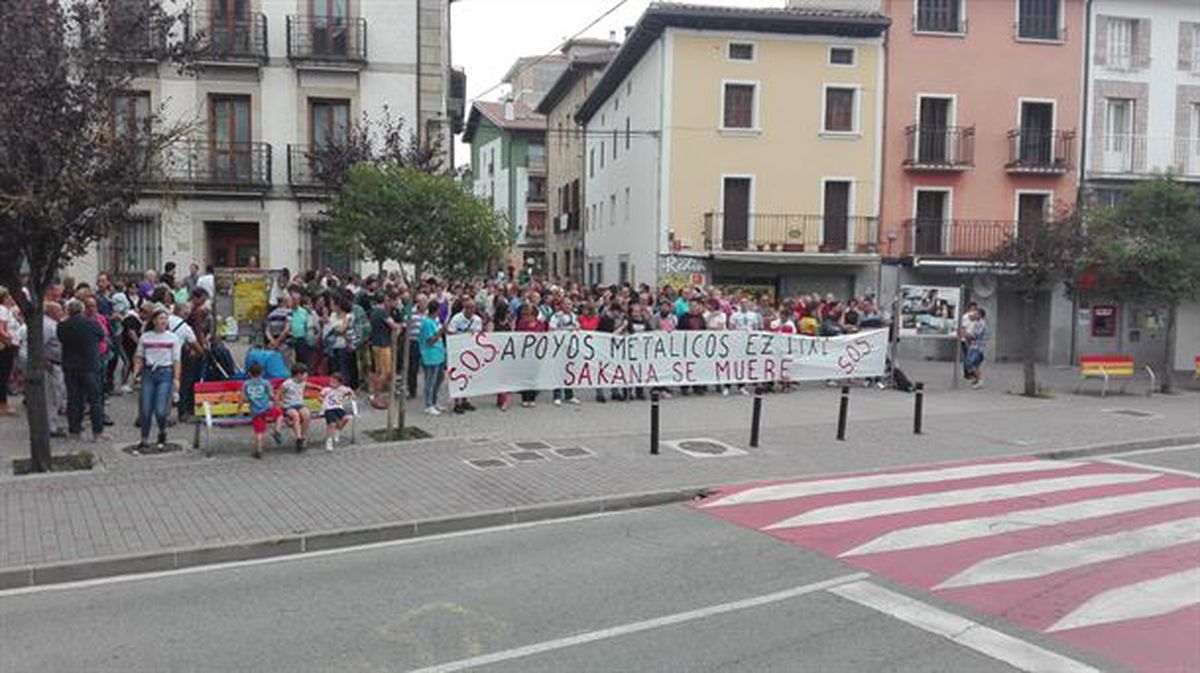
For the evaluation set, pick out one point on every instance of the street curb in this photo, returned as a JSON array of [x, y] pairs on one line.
[[298, 545], [1123, 447]]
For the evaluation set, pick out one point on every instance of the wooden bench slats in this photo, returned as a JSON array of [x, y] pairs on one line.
[[225, 397]]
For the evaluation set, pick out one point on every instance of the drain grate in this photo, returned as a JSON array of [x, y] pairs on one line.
[[487, 463], [525, 456], [703, 447], [574, 452], [531, 446]]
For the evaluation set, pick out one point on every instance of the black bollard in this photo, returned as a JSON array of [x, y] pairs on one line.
[[844, 407], [756, 416], [654, 399], [919, 410]]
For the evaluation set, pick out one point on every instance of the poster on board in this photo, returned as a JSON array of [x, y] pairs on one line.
[[927, 311]]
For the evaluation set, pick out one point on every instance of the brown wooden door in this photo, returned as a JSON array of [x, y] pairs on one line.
[[837, 216], [229, 134], [230, 26], [1031, 213], [329, 27], [934, 125], [735, 233], [929, 227]]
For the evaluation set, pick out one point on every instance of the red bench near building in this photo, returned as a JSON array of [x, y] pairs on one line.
[[1108, 367], [220, 404]]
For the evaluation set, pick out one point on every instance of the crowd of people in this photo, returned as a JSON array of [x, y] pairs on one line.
[[160, 329]]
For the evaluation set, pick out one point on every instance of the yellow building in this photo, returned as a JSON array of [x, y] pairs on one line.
[[739, 147]]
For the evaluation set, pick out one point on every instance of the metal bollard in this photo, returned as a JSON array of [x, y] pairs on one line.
[[845, 406], [655, 397], [919, 410], [756, 416]]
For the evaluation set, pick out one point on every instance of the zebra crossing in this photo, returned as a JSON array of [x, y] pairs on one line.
[[1104, 557]]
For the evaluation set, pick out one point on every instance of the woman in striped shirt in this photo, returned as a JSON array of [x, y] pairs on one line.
[[158, 358]]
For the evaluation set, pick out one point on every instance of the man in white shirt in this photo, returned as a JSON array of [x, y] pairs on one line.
[[56, 385], [466, 321]]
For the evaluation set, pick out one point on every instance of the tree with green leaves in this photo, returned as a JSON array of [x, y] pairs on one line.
[[1147, 251], [1038, 260], [70, 166]]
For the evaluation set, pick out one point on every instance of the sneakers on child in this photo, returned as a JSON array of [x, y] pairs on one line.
[[329, 444], [276, 436], [433, 411]]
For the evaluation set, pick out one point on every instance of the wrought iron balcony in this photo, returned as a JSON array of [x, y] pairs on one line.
[[229, 39], [1127, 154], [218, 166], [760, 232], [939, 148], [957, 239], [1034, 151], [327, 39]]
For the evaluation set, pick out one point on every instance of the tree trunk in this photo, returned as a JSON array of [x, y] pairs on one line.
[[35, 389], [1168, 367], [1027, 344]]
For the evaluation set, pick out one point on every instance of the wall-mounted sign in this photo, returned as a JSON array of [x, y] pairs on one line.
[[1104, 321]]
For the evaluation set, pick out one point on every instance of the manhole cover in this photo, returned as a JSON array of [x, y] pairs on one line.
[[152, 449], [486, 463], [573, 452], [704, 448], [531, 446], [525, 456], [1132, 412]]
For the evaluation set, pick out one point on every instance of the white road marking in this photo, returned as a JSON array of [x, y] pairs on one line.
[[302, 556], [914, 503], [636, 627], [1156, 468], [934, 534], [1047, 560], [1136, 601], [842, 485], [973, 635]]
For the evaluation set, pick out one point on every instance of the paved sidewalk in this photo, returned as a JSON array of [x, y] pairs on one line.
[[138, 505]]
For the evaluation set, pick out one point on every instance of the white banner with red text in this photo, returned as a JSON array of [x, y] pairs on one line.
[[495, 362]]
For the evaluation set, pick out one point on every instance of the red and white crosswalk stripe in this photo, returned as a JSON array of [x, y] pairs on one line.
[[1103, 556]]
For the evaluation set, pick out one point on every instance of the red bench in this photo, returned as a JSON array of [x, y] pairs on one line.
[[221, 404]]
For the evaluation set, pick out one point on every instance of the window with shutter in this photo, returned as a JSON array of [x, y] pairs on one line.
[[939, 16], [839, 109], [739, 106], [1120, 43], [1039, 19]]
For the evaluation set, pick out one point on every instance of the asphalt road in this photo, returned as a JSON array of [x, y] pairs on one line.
[[573, 587]]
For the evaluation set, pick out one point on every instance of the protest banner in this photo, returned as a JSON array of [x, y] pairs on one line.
[[493, 362]]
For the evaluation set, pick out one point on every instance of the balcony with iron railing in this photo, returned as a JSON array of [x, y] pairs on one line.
[[229, 40], [203, 165], [1037, 151], [1139, 155], [939, 148], [304, 168], [321, 41], [956, 239], [794, 233], [136, 36]]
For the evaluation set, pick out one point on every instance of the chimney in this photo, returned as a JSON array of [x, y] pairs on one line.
[[509, 111], [612, 36], [628, 30]]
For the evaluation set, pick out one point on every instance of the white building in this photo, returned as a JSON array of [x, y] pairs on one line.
[[1142, 120], [278, 77]]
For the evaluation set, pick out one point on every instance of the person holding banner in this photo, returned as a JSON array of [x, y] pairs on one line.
[[528, 321], [565, 320], [466, 321]]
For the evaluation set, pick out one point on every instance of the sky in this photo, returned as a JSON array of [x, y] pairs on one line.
[[487, 36]]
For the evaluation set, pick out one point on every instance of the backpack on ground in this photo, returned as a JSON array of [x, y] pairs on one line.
[[900, 380]]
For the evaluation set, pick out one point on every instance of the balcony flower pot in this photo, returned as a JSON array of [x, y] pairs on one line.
[[793, 247]]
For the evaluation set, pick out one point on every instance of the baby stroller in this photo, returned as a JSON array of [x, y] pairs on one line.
[[219, 365]]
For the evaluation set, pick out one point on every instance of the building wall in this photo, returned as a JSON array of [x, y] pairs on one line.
[[639, 238], [789, 156], [988, 71], [565, 157], [1162, 81], [280, 94], [490, 148]]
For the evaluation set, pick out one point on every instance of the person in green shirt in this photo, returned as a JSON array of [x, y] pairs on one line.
[[298, 331]]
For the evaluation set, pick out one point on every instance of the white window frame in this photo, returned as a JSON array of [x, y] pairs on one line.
[[1196, 48], [1062, 24], [755, 114], [962, 20], [1110, 62], [1021, 101], [853, 59], [949, 217], [856, 130], [850, 210], [952, 122], [1018, 193], [753, 51], [749, 211]]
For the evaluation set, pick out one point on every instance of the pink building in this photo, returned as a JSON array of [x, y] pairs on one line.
[[982, 141]]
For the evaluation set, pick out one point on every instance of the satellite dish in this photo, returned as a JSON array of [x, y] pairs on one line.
[[983, 286]]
